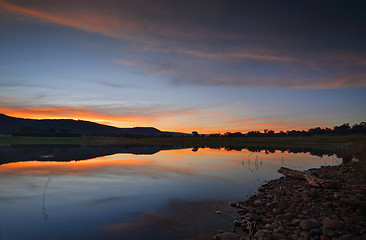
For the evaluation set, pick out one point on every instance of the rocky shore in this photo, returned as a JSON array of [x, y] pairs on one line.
[[289, 208]]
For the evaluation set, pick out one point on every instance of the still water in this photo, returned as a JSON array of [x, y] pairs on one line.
[[168, 194]]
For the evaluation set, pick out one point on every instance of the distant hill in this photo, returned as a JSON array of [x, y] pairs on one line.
[[68, 127]]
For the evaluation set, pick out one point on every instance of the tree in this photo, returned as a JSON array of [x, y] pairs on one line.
[[195, 134]]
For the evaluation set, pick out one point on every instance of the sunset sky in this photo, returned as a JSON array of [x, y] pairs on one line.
[[209, 66]]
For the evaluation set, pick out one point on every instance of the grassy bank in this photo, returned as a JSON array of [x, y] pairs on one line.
[[321, 141]]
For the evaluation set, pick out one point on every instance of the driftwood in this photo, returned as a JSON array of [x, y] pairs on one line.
[[311, 179]]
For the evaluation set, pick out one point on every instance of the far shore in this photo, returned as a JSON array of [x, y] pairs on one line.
[[318, 141], [321, 145]]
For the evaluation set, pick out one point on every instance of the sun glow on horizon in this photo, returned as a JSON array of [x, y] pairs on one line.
[[164, 124]]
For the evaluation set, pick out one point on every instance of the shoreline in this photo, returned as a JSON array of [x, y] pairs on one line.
[[289, 208]]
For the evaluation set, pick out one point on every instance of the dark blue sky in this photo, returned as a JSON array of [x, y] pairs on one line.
[[185, 65]]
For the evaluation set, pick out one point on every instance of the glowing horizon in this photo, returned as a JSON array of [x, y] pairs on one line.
[[116, 122]]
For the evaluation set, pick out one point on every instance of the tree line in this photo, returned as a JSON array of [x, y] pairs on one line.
[[344, 129]]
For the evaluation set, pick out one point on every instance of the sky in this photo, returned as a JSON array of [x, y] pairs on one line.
[[207, 66]]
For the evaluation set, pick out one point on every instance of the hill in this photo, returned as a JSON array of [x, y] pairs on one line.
[[68, 127]]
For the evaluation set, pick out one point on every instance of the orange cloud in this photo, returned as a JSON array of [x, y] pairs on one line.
[[16, 9], [93, 21]]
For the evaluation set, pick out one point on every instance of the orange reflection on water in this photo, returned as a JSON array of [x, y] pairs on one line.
[[141, 164], [163, 164]]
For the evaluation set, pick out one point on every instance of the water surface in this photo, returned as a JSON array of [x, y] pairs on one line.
[[172, 194]]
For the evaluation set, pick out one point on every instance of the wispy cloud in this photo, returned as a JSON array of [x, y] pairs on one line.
[[130, 62], [236, 55]]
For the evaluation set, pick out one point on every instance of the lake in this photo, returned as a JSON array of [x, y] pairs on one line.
[[129, 192]]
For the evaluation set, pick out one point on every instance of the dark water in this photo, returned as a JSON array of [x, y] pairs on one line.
[[149, 193]]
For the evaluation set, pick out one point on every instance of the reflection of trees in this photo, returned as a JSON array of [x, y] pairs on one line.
[[269, 149]]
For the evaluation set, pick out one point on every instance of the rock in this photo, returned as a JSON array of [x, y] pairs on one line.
[[281, 229], [287, 216], [289, 209], [332, 224], [306, 199], [330, 233], [315, 232], [233, 204], [346, 237], [308, 224], [295, 222], [266, 220], [294, 236], [349, 201], [258, 203], [254, 217], [328, 204], [226, 236], [268, 226], [323, 237], [263, 233], [237, 223], [362, 223]]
